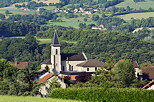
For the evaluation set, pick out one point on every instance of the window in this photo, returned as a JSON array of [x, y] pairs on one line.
[[63, 68], [87, 69], [95, 68], [56, 51], [72, 68]]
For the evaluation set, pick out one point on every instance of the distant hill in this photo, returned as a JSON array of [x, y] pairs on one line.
[[137, 5]]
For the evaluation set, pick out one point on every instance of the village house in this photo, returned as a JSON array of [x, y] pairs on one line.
[[20, 65], [148, 72]]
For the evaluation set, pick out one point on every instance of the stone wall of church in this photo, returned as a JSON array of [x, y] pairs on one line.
[[71, 65]]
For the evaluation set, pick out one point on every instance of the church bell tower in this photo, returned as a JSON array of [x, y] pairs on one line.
[[55, 55]]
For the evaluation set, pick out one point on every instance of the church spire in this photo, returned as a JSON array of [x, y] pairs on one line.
[[55, 41]]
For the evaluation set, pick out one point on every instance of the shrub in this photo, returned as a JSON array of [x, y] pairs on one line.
[[105, 94]]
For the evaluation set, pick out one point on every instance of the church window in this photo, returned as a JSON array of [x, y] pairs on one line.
[[87, 69], [56, 51], [95, 68], [63, 68], [72, 68]]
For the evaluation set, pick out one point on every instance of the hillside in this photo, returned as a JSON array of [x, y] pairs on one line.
[[139, 5]]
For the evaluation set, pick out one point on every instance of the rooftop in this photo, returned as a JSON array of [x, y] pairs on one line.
[[20, 65], [91, 63]]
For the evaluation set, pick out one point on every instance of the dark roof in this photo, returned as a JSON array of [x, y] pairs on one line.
[[91, 63], [20, 65], [149, 71], [55, 41], [47, 62], [45, 78], [69, 57], [73, 57], [135, 64]]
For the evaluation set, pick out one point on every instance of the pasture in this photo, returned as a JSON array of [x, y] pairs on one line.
[[137, 15], [144, 5], [14, 10], [48, 1]]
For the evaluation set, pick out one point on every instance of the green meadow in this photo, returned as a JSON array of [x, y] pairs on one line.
[[137, 15], [14, 10], [144, 5], [30, 99]]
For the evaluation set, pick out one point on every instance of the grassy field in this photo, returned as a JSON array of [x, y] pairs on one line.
[[48, 7], [132, 4], [47, 1], [46, 40], [30, 99], [137, 15], [14, 10]]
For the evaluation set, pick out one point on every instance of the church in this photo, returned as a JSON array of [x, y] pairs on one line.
[[64, 62], [62, 65]]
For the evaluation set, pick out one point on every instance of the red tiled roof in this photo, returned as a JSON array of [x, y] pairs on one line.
[[149, 84], [149, 70], [20, 65], [44, 78]]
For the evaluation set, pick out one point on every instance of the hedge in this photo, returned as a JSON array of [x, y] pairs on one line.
[[105, 95]]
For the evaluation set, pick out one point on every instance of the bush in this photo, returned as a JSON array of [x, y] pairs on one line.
[[105, 94]]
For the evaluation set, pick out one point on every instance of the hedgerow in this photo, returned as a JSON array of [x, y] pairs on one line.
[[105, 94]]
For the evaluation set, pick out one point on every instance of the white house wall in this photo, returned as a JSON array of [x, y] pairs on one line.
[[151, 88], [44, 65], [68, 64]]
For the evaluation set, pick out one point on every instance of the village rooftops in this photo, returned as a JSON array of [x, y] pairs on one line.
[[91, 63], [20, 65], [148, 72]]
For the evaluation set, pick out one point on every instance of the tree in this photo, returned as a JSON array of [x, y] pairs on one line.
[[124, 73], [7, 12], [2, 17], [95, 17]]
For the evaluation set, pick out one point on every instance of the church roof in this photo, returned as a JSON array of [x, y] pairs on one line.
[[91, 63], [47, 62], [69, 57], [55, 41], [73, 56]]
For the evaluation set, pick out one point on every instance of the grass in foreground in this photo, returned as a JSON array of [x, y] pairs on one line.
[[30, 99]]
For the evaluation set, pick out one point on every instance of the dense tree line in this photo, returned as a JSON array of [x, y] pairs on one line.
[[137, 23], [32, 5], [100, 44], [42, 18], [6, 3], [17, 82], [8, 29], [22, 49]]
